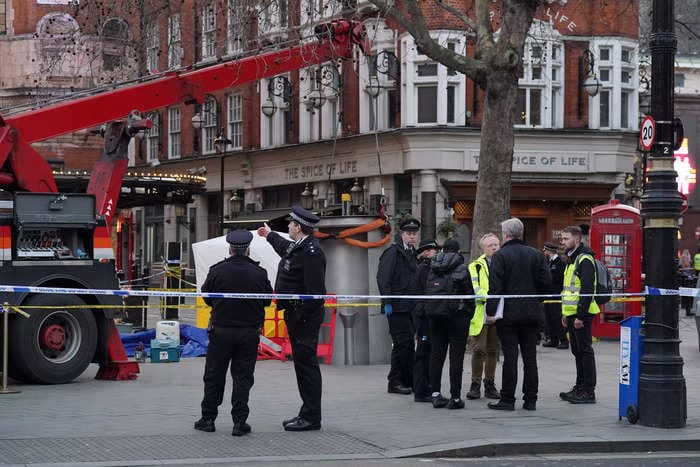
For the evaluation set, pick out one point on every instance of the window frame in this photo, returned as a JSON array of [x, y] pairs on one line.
[[174, 133], [208, 32], [152, 47], [234, 106], [209, 125], [153, 138], [175, 50]]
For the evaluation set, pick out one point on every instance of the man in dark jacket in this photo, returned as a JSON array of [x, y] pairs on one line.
[[517, 269], [449, 322], [427, 249], [234, 332], [556, 333], [397, 274], [302, 270]]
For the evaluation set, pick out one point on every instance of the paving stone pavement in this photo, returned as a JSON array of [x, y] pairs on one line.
[[149, 421]]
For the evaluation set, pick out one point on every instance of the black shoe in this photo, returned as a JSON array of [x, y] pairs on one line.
[[423, 399], [240, 429], [500, 405], [490, 391], [583, 397], [567, 396], [474, 390], [398, 389], [563, 346], [289, 420], [550, 343], [205, 424], [439, 401], [302, 425], [455, 404], [530, 405]]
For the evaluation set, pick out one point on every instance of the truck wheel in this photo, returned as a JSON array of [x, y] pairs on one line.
[[54, 345]]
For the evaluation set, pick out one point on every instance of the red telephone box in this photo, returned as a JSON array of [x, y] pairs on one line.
[[616, 238]]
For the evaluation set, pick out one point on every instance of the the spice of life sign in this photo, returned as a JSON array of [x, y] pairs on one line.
[[543, 162]]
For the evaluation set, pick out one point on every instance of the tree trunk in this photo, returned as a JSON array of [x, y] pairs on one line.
[[492, 203]]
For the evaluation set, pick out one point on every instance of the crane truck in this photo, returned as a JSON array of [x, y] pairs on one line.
[[52, 239]]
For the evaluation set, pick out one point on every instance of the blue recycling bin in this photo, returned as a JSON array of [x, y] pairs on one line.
[[631, 348]]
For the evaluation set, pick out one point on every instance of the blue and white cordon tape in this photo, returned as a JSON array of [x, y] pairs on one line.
[[682, 291]]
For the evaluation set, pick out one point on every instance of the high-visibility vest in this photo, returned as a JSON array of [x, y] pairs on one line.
[[479, 273], [696, 261], [572, 288]]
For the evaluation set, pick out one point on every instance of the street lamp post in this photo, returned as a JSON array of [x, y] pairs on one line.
[[220, 145], [662, 392]]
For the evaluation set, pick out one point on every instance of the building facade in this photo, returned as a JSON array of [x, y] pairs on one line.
[[396, 127]]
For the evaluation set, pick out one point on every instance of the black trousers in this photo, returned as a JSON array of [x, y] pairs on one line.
[[303, 327], [521, 337], [421, 366], [239, 348], [452, 331], [402, 351], [554, 330], [582, 349]]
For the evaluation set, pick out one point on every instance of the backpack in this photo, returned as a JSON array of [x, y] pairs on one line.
[[438, 284], [603, 288], [603, 283]]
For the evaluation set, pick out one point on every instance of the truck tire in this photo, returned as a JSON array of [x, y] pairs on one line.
[[54, 345]]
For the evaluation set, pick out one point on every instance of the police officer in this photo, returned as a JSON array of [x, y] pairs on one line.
[[398, 275], [302, 270], [427, 249], [234, 332], [556, 333]]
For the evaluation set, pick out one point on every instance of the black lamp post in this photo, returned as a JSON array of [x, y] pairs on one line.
[[220, 144], [662, 392]]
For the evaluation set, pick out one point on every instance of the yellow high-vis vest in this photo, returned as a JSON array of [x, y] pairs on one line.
[[572, 288], [696, 261], [479, 272]]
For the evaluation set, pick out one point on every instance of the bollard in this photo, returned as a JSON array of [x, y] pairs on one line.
[[348, 319], [5, 324]]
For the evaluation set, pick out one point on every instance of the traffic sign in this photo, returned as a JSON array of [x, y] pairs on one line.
[[647, 133]]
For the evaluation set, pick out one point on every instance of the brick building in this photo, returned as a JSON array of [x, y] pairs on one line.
[[396, 124]]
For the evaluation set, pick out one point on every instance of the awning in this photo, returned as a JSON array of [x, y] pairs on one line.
[[251, 221]]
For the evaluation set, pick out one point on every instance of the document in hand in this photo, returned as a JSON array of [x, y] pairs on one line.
[[499, 310]]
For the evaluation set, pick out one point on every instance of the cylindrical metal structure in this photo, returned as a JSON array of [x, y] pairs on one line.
[[428, 189], [5, 339], [347, 272], [662, 392]]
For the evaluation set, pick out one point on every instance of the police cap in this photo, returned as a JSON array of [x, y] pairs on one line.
[[427, 244], [239, 238], [410, 224], [303, 216], [550, 246]]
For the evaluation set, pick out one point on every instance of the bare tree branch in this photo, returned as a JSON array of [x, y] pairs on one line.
[[484, 32], [688, 28], [462, 16], [415, 25]]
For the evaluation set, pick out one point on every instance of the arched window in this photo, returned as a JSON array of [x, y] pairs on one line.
[[115, 35], [57, 32]]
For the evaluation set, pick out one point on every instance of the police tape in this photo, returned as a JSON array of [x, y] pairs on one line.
[[683, 291]]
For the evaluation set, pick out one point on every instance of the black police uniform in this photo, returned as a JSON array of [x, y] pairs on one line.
[[397, 274], [302, 270], [555, 331], [421, 374], [234, 329]]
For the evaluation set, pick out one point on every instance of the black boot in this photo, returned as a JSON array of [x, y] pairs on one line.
[[205, 424], [490, 391], [474, 390]]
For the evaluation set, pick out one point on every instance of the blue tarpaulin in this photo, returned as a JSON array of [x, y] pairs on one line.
[[193, 341]]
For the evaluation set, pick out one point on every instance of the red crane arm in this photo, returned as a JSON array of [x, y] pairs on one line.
[[336, 41]]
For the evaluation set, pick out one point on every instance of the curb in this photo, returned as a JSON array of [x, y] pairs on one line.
[[556, 447]]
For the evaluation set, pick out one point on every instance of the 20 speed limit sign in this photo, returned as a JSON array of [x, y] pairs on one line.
[[647, 133]]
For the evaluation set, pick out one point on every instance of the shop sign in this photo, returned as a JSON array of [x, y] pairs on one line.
[[545, 162]]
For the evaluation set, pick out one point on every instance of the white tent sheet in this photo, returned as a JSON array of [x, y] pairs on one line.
[[209, 252]]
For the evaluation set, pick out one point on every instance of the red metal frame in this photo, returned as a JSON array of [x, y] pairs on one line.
[[616, 238]]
